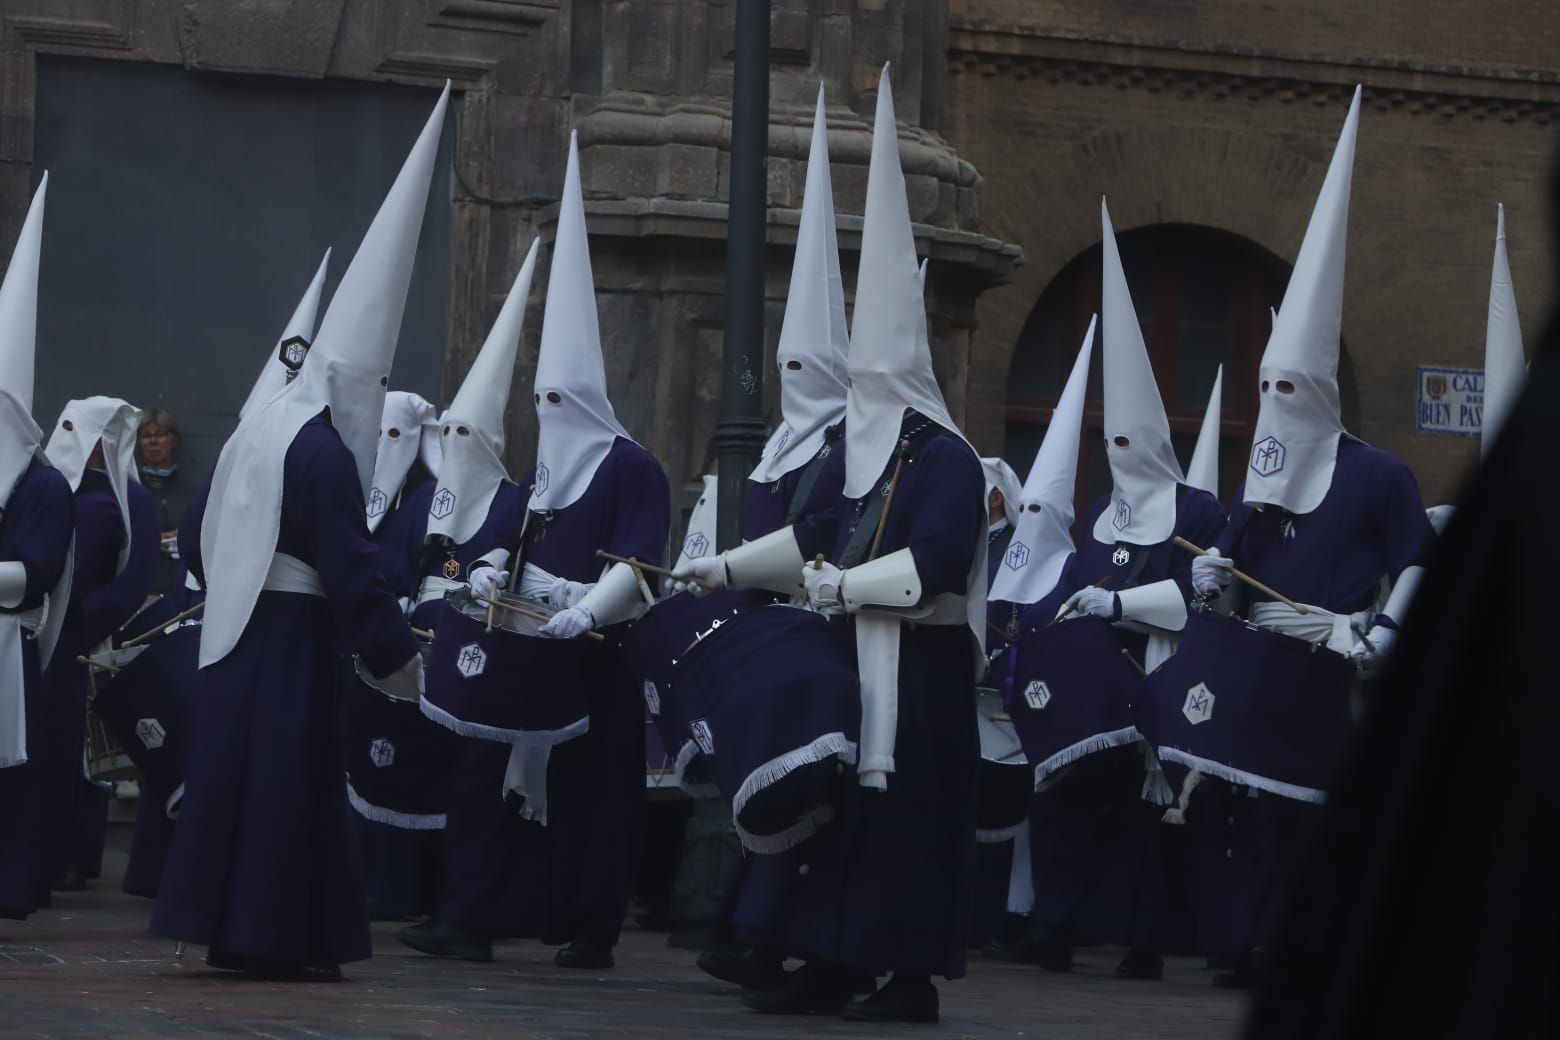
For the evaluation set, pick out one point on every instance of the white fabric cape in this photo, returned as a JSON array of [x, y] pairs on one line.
[[82, 425]]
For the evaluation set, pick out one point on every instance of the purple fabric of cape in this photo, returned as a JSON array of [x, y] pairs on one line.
[[263, 863], [35, 529], [572, 878]]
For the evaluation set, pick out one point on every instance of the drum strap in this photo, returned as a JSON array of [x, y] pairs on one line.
[[810, 473], [866, 527]]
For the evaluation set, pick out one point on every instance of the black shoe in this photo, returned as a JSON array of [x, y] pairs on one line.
[[223, 961], [812, 989], [744, 966], [1242, 973], [1054, 957], [585, 953], [440, 939], [1141, 964], [900, 1000]]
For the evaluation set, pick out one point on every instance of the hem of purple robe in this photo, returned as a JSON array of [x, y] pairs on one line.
[[499, 735], [830, 745], [1083, 749], [1230, 774], [393, 817]]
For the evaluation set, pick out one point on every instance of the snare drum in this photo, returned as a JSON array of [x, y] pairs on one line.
[[1251, 706], [1073, 693], [1005, 781], [773, 698], [509, 684], [398, 761]]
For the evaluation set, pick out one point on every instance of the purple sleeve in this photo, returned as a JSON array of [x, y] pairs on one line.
[[42, 510], [1200, 520], [1239, 515], [946, 516], [818, 526], [189, 532], [334, 528], [641, 509], [110, 605], [1401, 524]]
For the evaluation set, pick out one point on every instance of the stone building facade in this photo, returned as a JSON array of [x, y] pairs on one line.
[[1210, 120]]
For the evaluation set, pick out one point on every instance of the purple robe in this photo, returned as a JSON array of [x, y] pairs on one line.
[[1104, 866], [35, 528], [263, 864], [1370, 525], [572, 878], [887, 885]]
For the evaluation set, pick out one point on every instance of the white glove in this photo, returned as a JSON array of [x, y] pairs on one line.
[[568, 624], [1371, 661], [486, 580], [1211, 575], [822, 582], [565, 593], [701, 576], [1092, 600]]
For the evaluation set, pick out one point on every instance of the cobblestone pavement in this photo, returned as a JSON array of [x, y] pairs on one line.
[[88, 968]]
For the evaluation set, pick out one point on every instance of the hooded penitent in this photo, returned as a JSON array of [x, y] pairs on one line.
[[890, 368], [1203, 473], [576, 423], [1299, 419], [409, 430], [1504, 367], [20, 438], [813, 338], [1143, 467], [471, 432], [346, 375], [700, 539], [286, 358], [82, 426], [1000, 477], [1042, 538]]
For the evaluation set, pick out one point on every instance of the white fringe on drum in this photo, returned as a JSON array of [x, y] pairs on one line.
[[685, 756], [545, 737], [1083, 749], [830, 745], [1230, 774], [405, 821], [1000, 834]]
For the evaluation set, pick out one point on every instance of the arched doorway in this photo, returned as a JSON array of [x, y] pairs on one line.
[[1202, 298]]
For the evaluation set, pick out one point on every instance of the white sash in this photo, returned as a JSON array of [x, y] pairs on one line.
[[290, 574]]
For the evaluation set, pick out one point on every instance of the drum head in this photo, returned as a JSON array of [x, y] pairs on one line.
[[144, 706]]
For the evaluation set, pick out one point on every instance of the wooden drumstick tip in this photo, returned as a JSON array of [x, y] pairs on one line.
[[818, 562], [1134, 661]]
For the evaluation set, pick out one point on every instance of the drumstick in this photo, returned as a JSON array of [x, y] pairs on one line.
[[1363, 637], [180, 616], [519, 559], [893, 486], [1298, 608], [650, 568], [644, 586], [1128, 655], [534, 615], [1064, 615]]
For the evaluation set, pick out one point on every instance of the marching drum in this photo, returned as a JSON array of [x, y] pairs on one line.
[[1005, 781], [1251, 706], [509, 684], [398, 761], [140, 702], [1073, 693], [773, 698]]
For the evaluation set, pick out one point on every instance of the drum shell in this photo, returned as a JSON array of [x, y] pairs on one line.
[[1274, 714], [1004, 782], [145, 706], [503, 686], [774, 698], [1073, 693], [398, 761]]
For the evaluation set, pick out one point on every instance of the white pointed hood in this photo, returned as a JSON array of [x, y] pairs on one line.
[[576, 430], [1042, 538], [890, 360], [1143, 467], [1203, 472], [1505, 370], [1295, 443], [1000, 475], [813, 335], [471, 431], [408, 430], [82, 425], [20, 438], [700, 539], [347, 374], [286, 358]]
